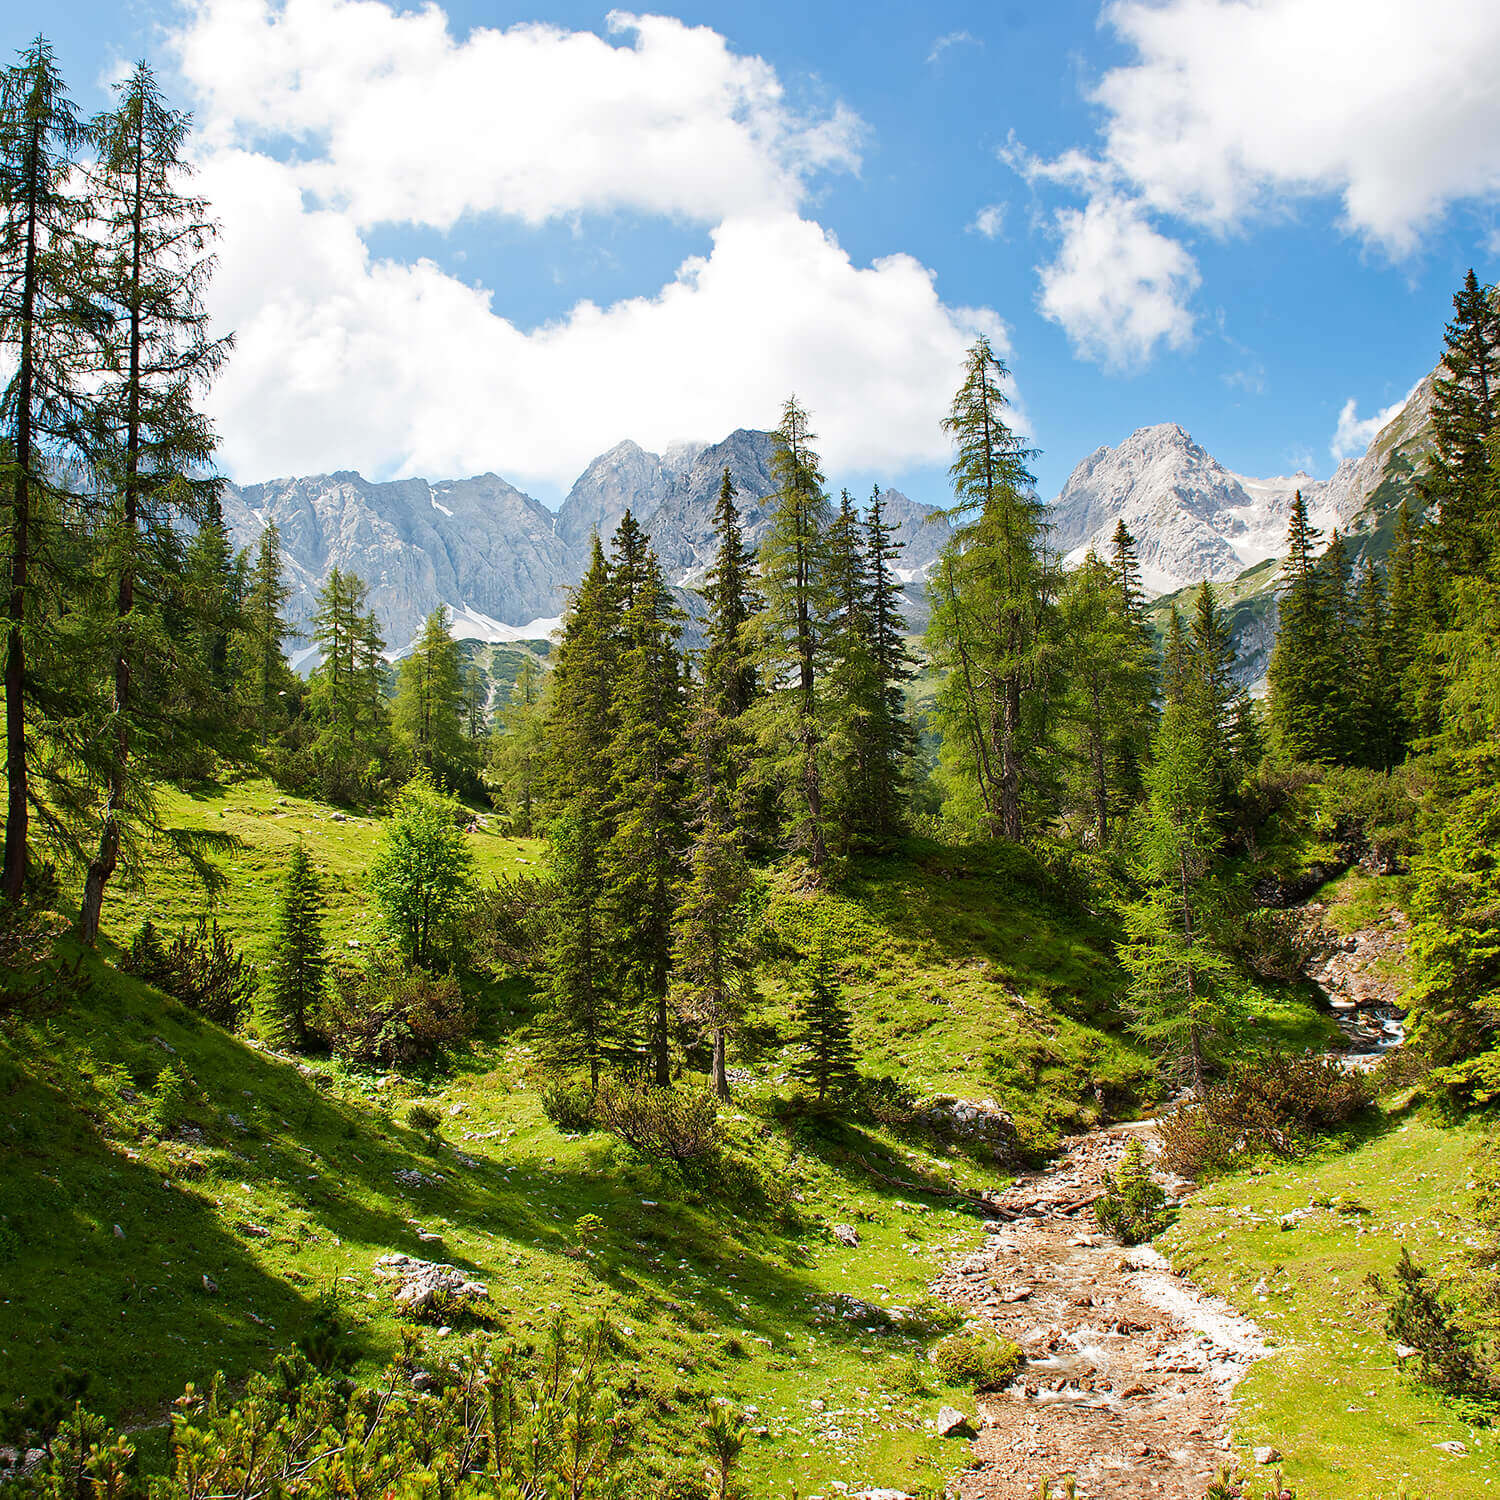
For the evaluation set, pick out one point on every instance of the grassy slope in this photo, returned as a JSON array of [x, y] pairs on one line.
[[289, 1187]]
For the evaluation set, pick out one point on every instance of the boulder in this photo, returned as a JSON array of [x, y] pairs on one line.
[[951, 1422], [1266, 1456], [419, 1283], [846, 1234]]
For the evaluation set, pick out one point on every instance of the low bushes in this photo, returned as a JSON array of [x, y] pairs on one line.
[[680, 1125], [569, 1104], [977, 1357], [198, 966], [1132, 1208], [1272, 1105], [384, 1014], [1451, 1355]]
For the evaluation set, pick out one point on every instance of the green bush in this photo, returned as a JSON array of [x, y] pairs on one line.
[[569, 1104], [1450, 1353], [199, 967], [171, 1099], [663, 1124], [383, 1014], [1275, 1104], [423, 1117], [977, 1357], [1372, 812], [1132, 1208]]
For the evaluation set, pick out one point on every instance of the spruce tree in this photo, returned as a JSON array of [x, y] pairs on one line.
[[346, 690], [1126, 565], [580, 701], [150, 444], [580, 1028], [730, 594], [518, 750], [1305, 678], [429, 708], [1375, 717], [642, 861], [825, 1061], [993, 631], [265, 679], [298, 973], [46, 319], [1465, 414], [791, 634], [1174, 662], [893, 740], [712, 984], [1184, 998]]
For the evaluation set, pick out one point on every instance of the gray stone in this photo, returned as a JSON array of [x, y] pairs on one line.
[[1267, 1456], [1451, 1446], [951, 1422], [846, 1234]]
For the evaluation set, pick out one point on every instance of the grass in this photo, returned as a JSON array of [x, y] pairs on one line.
[[1331, 1397], [285, 1180]]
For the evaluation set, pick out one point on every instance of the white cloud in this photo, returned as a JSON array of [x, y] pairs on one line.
[[396, 121], [1117, 286], [990, 221], [1232, 111], [952, 39], [344, 360], [1355, 433]]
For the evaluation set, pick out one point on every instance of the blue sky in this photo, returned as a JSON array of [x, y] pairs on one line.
[[482, 236]]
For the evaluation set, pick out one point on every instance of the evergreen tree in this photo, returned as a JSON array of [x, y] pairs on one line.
[[580, 703], [1375, 715], [1465, 413], [893, 740], [642, 862], [1211, 688], [852, 697], [429, 709], [265, 679], [346, 690], [1183, 994], [518, 753], [298, 973], [790, 629], [476, 703], [730, 594], [1174, 664], [580, 1027], [992, 632], [712, 984], [1126, 566], [151, 445], [825, 1060], [45, 321]]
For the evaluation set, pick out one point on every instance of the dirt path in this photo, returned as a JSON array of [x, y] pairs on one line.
[[1128, 1369]]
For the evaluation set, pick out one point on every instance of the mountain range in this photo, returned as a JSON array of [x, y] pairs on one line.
[[502, 562]]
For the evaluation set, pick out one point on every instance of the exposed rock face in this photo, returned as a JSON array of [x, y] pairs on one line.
[[502, 561], [421, 1284]]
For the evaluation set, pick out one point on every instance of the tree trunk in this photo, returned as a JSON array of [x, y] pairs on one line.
[[662, 1062], [1010, 767], [721, 1074]]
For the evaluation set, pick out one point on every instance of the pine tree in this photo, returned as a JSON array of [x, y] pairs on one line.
[[1465, 413], [150, 443], [429, 708], [642, 862], [790, 630], [852, 698], [1212, 690], [1374, 699], [712, 983], [729, 591], [518, 751], [1126, 565], [298, 972], [893, 740], [45, 321], [346, 689], [1183, 995], [581, 1026], [265, 678], [825, 1060], [580, 703], [992, 631]]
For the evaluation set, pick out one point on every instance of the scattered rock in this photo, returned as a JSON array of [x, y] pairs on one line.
[[818, 1405], [951, 1422], [119, 1233], [419, 1283], [210, 1285], [1266, 1456], [1453, 1447], [411, 1177], [1405, 1352], [846, 1234]]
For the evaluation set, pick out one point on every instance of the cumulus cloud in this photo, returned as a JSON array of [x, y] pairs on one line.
[[1232, 111], [324, 118], [1118, 287], [1355, 433]]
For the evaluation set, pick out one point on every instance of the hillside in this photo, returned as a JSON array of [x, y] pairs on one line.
[[281, 1180]]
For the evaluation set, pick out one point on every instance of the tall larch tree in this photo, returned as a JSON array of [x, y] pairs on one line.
[[153, 447], [46, 323], [992, 631]]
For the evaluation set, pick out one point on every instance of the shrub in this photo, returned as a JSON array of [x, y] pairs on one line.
[[1275, 1104], [663, 1124], [888, 1102], [170, 1100], [569, 1104], [199, 967], [977, 1357], [383, 1014], [1281, 944], [423, 1117], [1373, 813], [1422, 1315], [1133, 1202]]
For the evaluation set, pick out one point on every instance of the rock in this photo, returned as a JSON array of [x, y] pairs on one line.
[[1266, 1456], [951, 1422], [420, 1282], [1261, 1289], [119, 1233], [424, 1380], [994, 1226], [817, 1405], [846, 1234], [880, 1495], [1405, 1352], [210, 1285], [1455, 1448]]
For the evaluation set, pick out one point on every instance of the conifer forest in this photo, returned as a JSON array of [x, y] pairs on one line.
[[808, 1025]]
